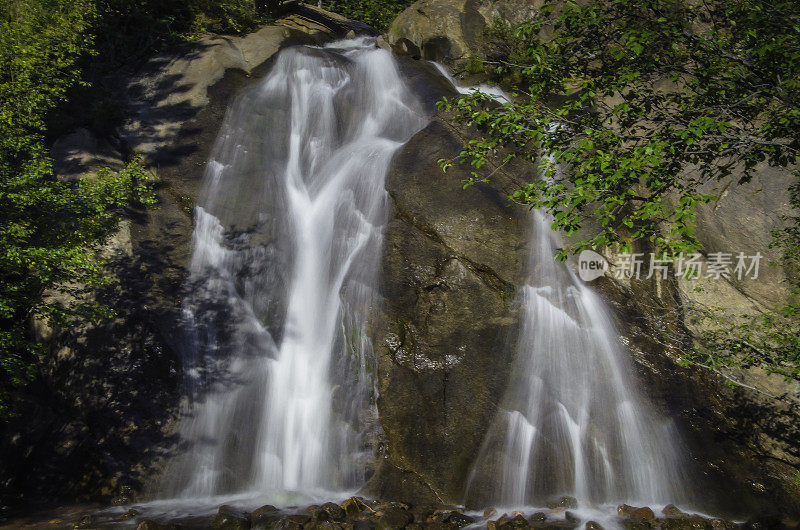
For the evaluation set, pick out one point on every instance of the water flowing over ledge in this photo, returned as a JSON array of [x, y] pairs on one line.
[[572, 421], [283, 272]]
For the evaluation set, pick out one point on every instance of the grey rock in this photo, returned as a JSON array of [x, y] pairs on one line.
[[329, 512], [670, 510], [265, 518], [691, 522], [229, 518], [635, 513], [563, 502], [452, 31], [450, 262], [394, 517], [538, 517], [152, 525], [81, 152]]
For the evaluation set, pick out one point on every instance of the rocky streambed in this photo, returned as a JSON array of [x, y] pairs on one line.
[[363, 513]]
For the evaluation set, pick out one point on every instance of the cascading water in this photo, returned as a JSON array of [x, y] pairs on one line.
[[571, 422], [286, 249]]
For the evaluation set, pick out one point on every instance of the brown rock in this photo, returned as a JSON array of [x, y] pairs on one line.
[[633, 512], [670, 510]]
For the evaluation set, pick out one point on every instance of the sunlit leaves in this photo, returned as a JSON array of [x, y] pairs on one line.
[[50, 229], [641, 104], [635, 110]]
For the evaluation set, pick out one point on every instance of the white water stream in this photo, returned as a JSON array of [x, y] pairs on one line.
[[573, 421], [286, 250]]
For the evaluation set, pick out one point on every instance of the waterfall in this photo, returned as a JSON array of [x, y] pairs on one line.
[[572, 421], [283, 272]]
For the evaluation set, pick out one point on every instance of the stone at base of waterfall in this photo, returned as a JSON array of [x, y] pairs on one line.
[[229, 518], [563, 502], [328, 512], [507, 522], [670, 510], [636, 518], [204, 522], [265, 517], [151, 525], [632, 512], [394, 517]]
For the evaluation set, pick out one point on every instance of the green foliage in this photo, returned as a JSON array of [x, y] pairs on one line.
[[377, 13], [50, 229], [40, 46], [638, 107], [130, 29], [634, 109], [50, 236]]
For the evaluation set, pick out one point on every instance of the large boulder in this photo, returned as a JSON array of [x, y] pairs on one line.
[[452, 260], [452, 31]]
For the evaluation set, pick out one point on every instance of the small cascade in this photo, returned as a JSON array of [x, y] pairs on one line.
[[572, 422], [285, 255]]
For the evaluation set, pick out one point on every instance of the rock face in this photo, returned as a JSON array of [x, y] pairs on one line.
[[452, 31], [452, 259]]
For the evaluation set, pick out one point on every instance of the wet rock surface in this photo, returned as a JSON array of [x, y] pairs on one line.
[[451, 260], [362, 513]]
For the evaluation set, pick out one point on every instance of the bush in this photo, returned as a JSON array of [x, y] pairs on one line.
[[377, 13], [50, 229]]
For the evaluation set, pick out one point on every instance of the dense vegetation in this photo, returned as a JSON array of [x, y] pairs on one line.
[[51, 229], [640, 107], [377, 13]]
